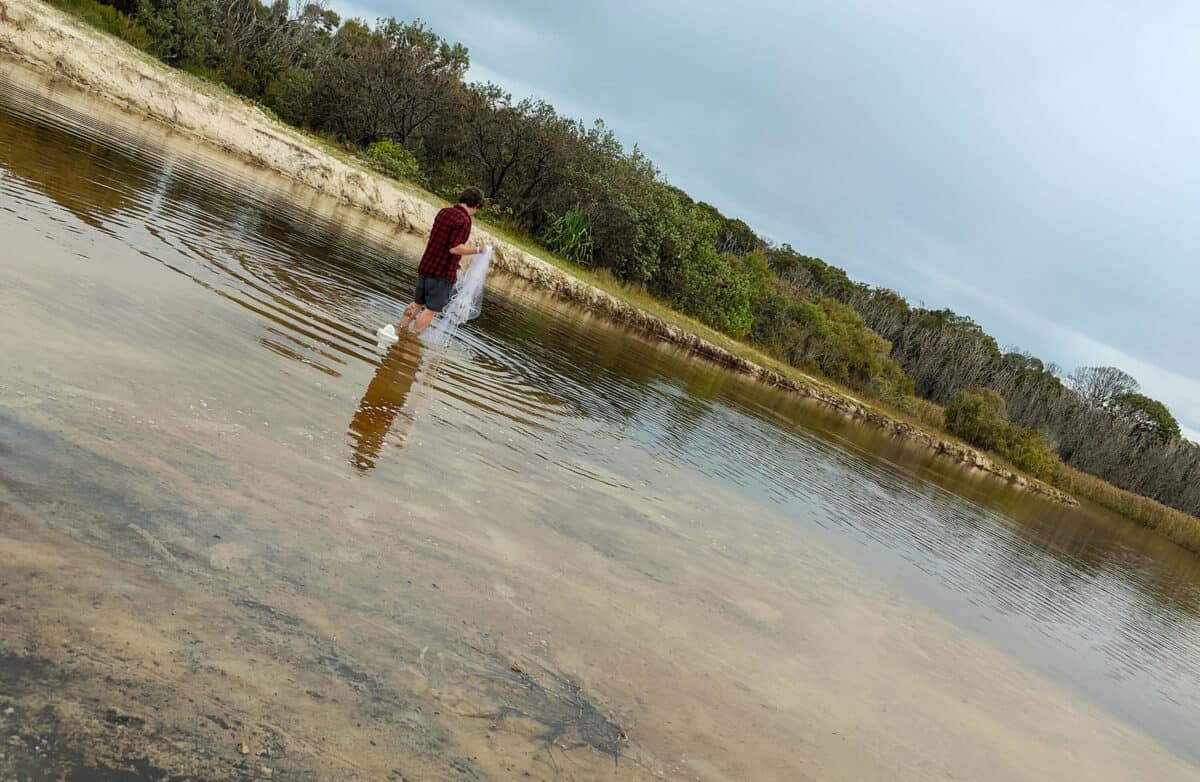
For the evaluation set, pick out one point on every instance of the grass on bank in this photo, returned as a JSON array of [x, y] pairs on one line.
[[1180, 527], [110, 20]]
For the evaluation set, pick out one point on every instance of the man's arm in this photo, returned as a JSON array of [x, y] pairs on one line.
[[466, 249], [463, 232]]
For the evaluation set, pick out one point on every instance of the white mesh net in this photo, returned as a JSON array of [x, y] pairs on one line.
[[465, 304]]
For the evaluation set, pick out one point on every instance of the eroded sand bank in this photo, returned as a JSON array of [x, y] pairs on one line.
[[44, 39]]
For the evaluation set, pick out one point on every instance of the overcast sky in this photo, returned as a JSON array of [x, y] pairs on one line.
[[1035, 165]]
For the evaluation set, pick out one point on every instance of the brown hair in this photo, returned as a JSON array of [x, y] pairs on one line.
[[472, 197]]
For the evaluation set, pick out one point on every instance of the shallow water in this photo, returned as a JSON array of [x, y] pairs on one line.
[[553, 546]]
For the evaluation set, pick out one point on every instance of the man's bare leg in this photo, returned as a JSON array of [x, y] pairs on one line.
[[423, 320], [410, 312]]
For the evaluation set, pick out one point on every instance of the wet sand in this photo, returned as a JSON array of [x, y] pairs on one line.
[[384, 643], [196, 555]]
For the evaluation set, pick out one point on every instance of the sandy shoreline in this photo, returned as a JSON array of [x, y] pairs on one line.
[[44, 39]]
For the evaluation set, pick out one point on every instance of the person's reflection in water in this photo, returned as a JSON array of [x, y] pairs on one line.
[[383, 403]]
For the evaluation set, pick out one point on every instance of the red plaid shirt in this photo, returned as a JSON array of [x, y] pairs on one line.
[[451, 227]]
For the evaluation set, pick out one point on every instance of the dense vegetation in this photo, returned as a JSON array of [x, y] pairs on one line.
[[980, 416], [396, 91], [1094, 418]]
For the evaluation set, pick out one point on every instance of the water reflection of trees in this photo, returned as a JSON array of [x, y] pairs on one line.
[[90, 180], [620, 377], [674, 400], [296, 269], [290, 250], [283, 263], [688, 409]]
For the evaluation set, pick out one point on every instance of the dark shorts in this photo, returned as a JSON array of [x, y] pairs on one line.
[[432, 292]]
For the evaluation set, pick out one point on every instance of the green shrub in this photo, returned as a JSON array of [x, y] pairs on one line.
[[109, 19], [1029, 450], [570, 235], [822, 334], [201, 71], [448, 178], [714, 288], [285, 92], [394, 160], [979, 416], [186, 31]]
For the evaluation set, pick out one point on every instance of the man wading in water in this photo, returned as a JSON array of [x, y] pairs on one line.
[[439, 265]]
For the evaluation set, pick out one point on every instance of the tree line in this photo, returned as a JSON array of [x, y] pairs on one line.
[[398, 92], [1095, 418]]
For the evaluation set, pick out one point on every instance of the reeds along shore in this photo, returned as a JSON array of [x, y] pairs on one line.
[[1175, 525]]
